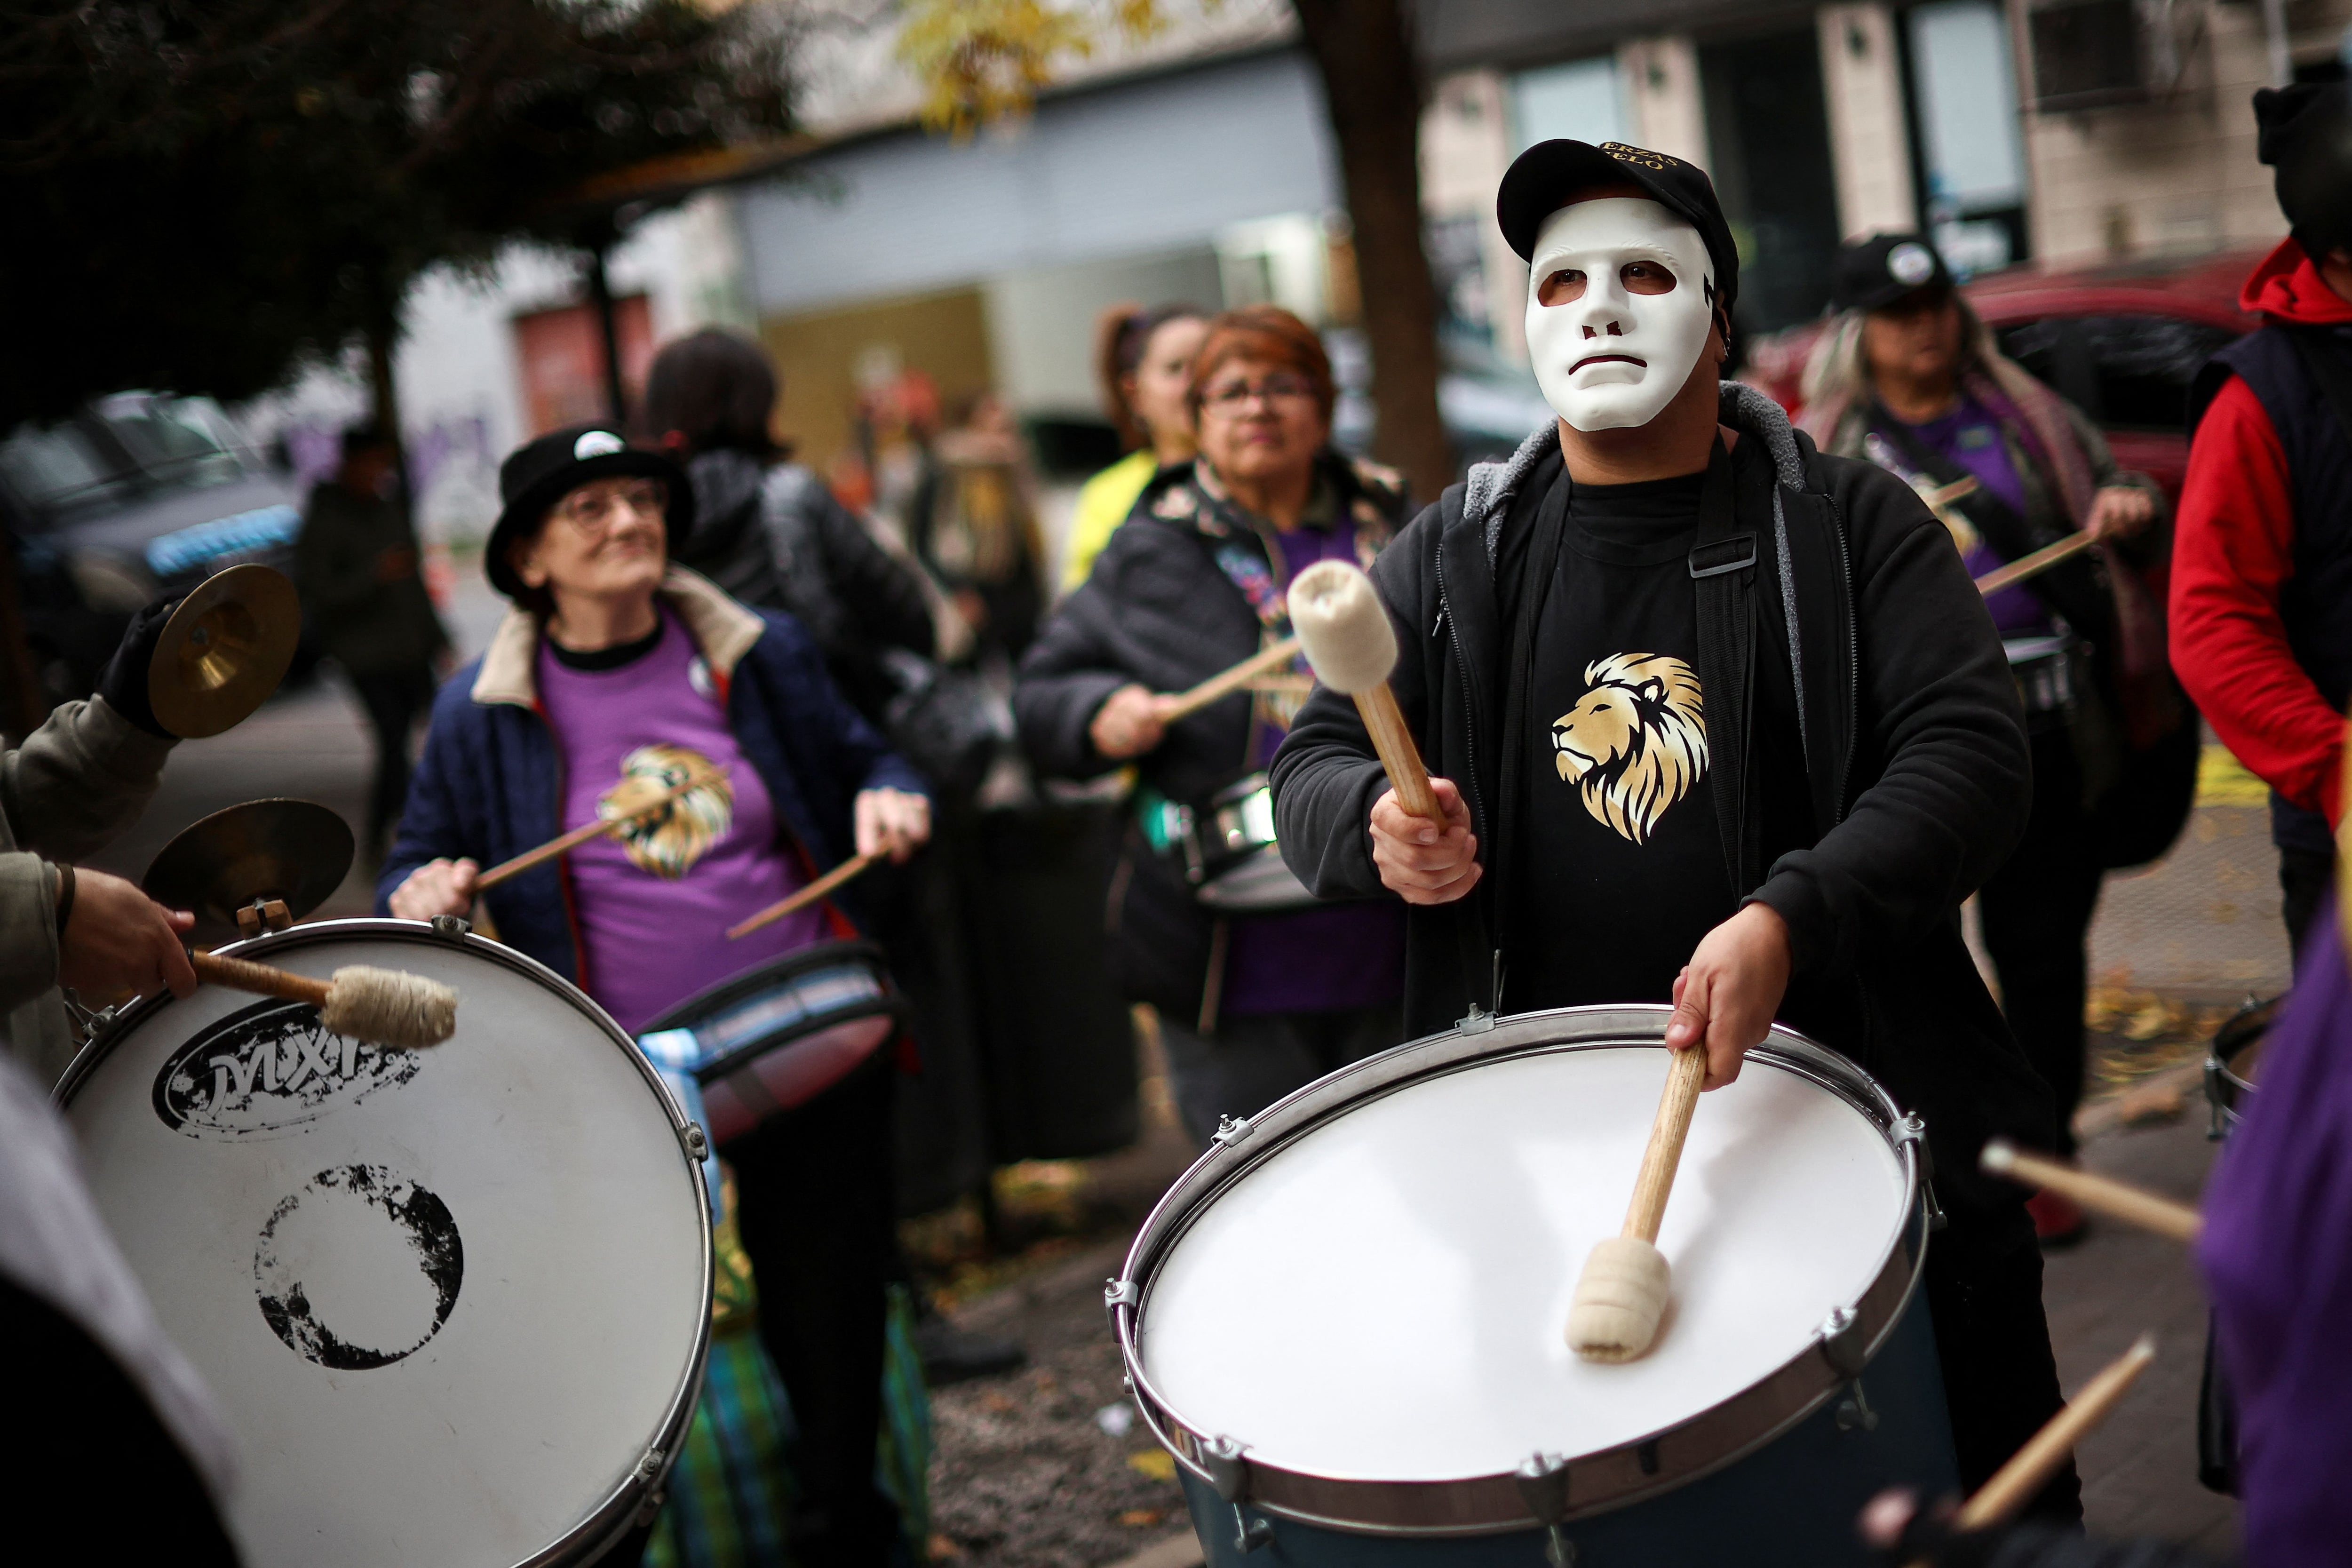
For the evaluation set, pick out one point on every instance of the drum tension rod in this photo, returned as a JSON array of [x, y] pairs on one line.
[[1543, 1487], [1229, 1475], [1846, 1347]]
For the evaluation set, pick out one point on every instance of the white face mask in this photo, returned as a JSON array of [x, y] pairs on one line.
[[1612, 358]]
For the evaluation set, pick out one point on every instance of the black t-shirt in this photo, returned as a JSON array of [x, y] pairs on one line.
[[1621, 866]]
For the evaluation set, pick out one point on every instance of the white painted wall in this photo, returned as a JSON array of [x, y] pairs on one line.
[[1861, 81]]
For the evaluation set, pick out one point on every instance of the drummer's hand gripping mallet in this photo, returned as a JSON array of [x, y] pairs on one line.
[[382, 1006], [1622, 1294], [1344, 630]]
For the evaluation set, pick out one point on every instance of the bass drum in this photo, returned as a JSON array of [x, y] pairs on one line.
[[454, 1303], [1347, 1322]]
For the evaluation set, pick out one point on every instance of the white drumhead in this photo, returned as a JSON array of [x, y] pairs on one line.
[[445, 1298], [1386, 1298]]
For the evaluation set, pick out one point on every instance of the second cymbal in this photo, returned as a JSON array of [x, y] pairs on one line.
[[223, 651]]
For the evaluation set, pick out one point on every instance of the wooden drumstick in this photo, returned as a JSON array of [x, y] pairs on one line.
[[2041, 559], [1622, 1294], [382, 1006], [629, 813], [804, 898], [2029, 1469], [1349, 642], [2104, 1193], [1225, 682]]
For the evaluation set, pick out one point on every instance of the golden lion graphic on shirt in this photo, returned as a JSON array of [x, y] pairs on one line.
[[671, 838], [1636, 743]]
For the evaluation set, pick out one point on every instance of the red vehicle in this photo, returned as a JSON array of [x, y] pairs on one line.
[[2119, 342]]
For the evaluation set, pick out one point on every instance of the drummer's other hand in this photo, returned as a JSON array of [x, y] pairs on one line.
[[437, 888], [1729, 991], [1128, 723], [1420, 861], [892, 822], [2119, 512], [118, 938]]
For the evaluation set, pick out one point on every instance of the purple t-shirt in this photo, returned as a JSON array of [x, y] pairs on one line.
[[1971, 436], [2277, 1252], [654, 900], [1307, 960]]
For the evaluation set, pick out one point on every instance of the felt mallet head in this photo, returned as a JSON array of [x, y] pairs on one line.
[[1342, 626], [1620, 1300], [388, 1008]]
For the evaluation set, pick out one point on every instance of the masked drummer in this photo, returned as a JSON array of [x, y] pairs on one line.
[[614, 663], [1720, 721], [1251, 1006], [75, 784]]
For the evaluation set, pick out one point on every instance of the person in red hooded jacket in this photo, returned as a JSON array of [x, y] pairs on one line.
[[2262, 564]]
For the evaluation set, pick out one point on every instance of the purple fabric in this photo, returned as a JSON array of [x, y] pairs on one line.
[[2277, 1254], [1341, 955], [1970, 436], [653, 902]]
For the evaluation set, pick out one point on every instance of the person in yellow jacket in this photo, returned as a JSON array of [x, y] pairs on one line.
[[1145, 360]]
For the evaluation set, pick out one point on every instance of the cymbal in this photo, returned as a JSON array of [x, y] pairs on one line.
[[224, 650], [288, 850]]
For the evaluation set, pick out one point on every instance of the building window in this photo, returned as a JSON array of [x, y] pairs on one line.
[[1580, 100], [1971, 152]]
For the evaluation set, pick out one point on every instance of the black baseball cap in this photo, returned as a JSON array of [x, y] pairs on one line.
[[2306, 133], [1548, 175], [1872, 274], [538, 474]]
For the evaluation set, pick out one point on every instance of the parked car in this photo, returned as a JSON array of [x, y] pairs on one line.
[[2120, 341], [135, 495]]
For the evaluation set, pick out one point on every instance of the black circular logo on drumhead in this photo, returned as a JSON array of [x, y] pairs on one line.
[[358, 1268]]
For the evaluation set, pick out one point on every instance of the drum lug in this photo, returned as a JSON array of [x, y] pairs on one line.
[[697, 1142], [1228, 1471], [1843, 1345], [1543, 1487], [1477, 1021], [1232, 1130], [452, 927], [1854, 1410], [1117, 1293], [650, 1466]]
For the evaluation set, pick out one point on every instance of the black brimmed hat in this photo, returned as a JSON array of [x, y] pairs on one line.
[[1872, 274], [1545, 177], [2307, 135], [540, 473]]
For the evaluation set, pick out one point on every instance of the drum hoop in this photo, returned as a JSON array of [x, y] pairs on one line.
[[612, 1518], [1619, 1477]]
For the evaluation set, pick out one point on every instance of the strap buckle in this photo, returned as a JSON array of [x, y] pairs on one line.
[[1734, 553]]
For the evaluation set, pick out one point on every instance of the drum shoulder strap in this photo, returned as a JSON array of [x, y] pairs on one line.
[[1723, 564]]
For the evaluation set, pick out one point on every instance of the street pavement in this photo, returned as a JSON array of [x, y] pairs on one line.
[[2201, 926]]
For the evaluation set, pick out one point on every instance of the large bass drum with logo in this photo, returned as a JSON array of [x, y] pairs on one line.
[[453, 1303], [1347, 1322]]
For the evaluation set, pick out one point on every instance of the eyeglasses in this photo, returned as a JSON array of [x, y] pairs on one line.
[[1231, 399], [595, 509]]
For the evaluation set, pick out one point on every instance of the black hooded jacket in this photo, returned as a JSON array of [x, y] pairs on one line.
[[1915, 754]]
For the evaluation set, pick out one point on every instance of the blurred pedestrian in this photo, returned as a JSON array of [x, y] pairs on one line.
[[973, 523], [360, 576], [1144, 359], [1909, 377], [2261, 579], [1252, 1005]]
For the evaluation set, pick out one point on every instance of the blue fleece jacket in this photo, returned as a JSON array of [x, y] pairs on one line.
[[490, 785]]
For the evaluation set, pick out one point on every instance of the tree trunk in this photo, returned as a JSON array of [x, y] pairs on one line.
[[608, 330], [384, 393], [1372, 88]]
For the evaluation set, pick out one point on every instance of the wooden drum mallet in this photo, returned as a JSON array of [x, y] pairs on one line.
[[1344, 629], [1620, 1297]]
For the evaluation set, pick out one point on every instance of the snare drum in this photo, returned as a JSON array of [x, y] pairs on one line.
[[454, 1303], [780, 1034], [1347, 1321], [2049, 673]]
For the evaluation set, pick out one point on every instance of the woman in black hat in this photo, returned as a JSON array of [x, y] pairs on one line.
[[1909, 377], [614, 665]]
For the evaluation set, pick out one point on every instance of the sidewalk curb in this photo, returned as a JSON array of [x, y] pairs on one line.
[[1176, 1552]]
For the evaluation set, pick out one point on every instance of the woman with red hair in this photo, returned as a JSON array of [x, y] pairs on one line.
[[1259, 988]]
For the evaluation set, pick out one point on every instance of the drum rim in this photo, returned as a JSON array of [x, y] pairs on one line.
[[1611, 1479], [613, 1516]]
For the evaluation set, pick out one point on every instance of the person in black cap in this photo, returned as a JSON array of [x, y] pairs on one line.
[[1906, 376], [614, 667], [1717, 721], [2261, 577]]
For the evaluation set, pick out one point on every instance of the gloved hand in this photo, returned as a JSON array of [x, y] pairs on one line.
[[124, 682]]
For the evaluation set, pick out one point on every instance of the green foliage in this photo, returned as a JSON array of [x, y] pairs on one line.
[[200, 193]]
